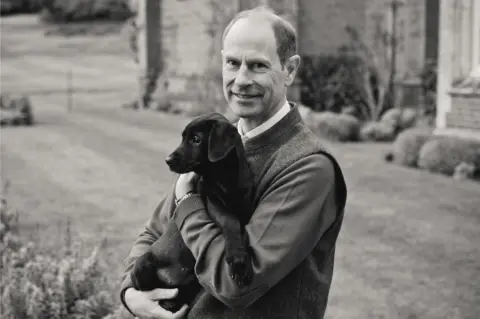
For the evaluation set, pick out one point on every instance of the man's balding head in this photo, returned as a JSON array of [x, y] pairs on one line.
[[285, 34]]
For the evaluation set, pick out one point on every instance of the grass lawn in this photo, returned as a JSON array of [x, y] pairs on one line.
[[409, 247]]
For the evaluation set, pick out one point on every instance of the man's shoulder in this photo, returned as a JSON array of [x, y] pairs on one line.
[[302, 142]]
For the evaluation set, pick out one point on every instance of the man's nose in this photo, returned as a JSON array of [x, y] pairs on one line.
[[243, 77]]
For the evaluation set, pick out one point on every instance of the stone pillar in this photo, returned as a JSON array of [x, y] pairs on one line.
[[476, 35], [149, 49], [444, 79]]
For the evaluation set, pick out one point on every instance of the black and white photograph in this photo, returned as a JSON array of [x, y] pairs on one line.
[[239, 159]]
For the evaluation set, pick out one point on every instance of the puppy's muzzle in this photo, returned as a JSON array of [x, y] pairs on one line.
[[173, 161], [177, 163]]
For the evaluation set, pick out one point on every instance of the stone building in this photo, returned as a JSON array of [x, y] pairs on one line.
[[416, 35], [458, 90], [190, 31]]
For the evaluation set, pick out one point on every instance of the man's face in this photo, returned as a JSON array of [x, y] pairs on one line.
[[254, 81]]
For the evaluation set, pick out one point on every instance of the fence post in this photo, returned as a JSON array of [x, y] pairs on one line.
[[69, 90]]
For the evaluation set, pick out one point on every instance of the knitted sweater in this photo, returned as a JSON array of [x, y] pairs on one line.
[[300, 195]]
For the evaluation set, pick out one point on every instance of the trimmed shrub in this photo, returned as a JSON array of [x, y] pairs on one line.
[[443, 154], [64, 11], [9, 7], [351, 110], [377, 131], [15, 110], [407, 145], [334, 126], [464, 171], [405, 118]]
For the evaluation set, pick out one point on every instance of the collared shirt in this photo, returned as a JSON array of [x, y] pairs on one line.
[[265, 125]]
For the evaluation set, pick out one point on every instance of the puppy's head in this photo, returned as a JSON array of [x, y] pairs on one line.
[[205, 140]]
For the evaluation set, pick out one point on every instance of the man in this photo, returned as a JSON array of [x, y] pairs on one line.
[[300, 194]]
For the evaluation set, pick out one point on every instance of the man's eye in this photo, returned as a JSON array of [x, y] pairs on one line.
[[231, 63], [259, 66], [195, 139]]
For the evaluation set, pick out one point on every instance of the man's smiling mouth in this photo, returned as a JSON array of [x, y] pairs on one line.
[[246, 96]]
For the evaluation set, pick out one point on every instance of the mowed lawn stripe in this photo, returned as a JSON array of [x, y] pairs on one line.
[[22, 75], [94, 177], [156, 141], [44, 72], [434, 253], [142, 149], [44, 201], [108, 106]]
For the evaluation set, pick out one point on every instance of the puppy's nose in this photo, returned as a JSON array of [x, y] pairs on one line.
[[171, 159]]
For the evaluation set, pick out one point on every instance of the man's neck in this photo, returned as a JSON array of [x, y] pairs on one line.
[[249, 124]]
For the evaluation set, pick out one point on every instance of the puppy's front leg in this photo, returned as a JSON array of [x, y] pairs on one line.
[[237, 252]]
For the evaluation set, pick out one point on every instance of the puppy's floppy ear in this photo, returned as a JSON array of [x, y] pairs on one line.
[[221, 140]]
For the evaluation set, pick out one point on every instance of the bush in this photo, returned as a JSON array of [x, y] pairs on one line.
[[324, 85], [34, 285], [377, 131], [428, 77], [40, 285], [15, 110], [9, 7], [443, 154], [64, 11], [334, 126], [407, 145], [405, 118], [330, 82], [464, 171]]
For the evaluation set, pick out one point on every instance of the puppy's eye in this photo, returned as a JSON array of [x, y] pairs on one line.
[[195, 140]]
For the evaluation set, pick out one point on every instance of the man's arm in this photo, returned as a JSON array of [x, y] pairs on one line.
[[153, 230], [290, 219]]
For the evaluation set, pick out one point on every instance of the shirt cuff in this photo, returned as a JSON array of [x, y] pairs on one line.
[[122, 298], [187, 207]]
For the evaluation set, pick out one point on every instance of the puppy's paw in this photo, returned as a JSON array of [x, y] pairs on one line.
[[170, 305], [240, 267], [144, 272]]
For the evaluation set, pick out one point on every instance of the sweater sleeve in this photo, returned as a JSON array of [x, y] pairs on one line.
[[287, 224], [153, 230]]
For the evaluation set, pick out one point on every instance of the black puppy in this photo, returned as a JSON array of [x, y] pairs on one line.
[[211, 147]]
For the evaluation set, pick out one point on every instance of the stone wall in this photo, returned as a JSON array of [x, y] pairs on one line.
[[187, 45], [465, 111]]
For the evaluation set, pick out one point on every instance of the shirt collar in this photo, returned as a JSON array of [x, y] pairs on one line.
[[265, 125]]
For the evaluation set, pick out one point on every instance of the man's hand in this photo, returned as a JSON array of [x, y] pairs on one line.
[[185, 183], [144, 304]]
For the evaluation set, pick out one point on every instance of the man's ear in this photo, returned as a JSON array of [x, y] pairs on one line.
[[291, 67], [221, 140]]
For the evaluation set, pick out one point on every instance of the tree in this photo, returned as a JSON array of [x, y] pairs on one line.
[[373, 74]]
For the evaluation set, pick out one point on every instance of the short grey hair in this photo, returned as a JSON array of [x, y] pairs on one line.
[[284, 32]]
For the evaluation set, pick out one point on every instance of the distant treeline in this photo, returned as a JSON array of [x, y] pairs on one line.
[[61, 11]]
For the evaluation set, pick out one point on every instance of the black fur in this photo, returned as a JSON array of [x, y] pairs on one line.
[[211, 147]]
